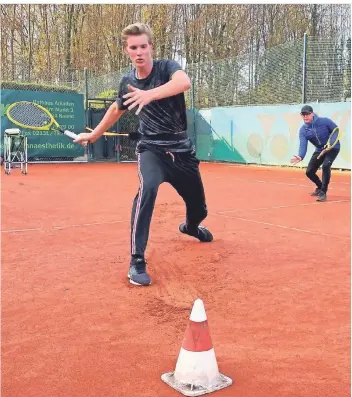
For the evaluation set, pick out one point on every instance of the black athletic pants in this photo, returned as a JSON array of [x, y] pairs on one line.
[[326, 162], [181, 170]]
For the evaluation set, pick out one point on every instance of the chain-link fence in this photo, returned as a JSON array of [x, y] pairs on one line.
[[272, 76], [100, 91], [291, 73], [310, 69], [112, 148], [328, 70], [276, 76]]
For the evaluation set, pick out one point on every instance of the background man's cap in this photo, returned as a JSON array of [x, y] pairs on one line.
[[307, 109]]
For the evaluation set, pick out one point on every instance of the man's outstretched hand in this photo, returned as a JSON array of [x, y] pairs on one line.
[[138, 98], [295, 159]]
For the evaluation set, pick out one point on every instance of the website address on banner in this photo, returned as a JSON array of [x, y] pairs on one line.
[[48, 145]]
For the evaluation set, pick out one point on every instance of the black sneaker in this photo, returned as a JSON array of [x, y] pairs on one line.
[[137, 273], [321, 196], [202, 234], [316, 192]]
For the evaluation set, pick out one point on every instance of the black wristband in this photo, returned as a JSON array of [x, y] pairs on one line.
[[134, 136]]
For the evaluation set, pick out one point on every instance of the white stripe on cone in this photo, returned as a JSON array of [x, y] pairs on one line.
[[197, 368]]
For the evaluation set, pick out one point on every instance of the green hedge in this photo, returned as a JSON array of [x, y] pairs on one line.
[[109, 94], [14, 85]]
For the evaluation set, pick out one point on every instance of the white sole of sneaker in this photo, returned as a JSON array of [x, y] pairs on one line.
[[134, 283], [139, 285]]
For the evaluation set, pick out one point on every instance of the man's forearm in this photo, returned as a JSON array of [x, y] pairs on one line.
[[171, 88], [302, 150], [110, 118]]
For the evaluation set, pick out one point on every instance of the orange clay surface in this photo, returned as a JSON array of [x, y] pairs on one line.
[[275, 283]]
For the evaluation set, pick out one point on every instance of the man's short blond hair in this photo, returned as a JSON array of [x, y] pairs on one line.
[[136, 29]]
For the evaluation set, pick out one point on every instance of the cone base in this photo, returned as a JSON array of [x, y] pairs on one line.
[[191, 390]]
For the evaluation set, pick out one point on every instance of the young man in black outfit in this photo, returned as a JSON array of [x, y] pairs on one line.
[[164, 152]]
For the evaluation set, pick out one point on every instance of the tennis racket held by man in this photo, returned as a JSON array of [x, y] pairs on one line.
[[107, 133], [332, 141]]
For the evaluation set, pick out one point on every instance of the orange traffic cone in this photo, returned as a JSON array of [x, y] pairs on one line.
[[196, 371]]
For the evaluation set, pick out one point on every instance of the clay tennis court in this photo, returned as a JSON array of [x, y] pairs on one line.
[[275, 283]]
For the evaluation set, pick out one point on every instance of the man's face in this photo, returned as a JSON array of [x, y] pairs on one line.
[[139, 50], [307, 117]]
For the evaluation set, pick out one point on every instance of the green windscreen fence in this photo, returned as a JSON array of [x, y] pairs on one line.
[[67, 109]]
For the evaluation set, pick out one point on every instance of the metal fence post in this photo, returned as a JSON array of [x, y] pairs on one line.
[[193, 106], [304, 71], [86, 93], [86, 113]]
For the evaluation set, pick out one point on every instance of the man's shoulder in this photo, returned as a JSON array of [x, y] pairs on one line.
[[323, 120], [166, 64], [128, 75], [164, 61]]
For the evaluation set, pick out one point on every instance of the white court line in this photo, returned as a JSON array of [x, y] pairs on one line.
[[336, 171], [282, 206], [20, 230], [304, 179], [273, 183], [220, 213], [86, 224], [62, 227], [281, 226]]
